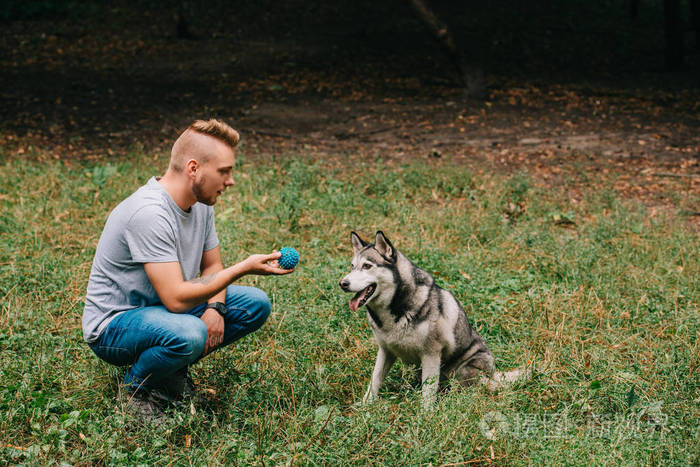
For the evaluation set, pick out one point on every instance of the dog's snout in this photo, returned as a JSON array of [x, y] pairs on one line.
[[344, 284]]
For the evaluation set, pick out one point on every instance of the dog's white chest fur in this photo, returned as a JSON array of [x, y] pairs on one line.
[[408, 341]]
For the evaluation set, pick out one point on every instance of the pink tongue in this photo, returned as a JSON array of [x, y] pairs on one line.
[[355, 301]]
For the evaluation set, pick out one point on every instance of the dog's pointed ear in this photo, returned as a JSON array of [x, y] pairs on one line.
[[357, 242], [384, 246]]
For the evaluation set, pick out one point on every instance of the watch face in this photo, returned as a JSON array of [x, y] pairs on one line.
[[219, 307]]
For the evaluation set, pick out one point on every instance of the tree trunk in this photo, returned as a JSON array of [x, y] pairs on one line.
[[182, 25], [472, 76], [634, 9], [673, 34], [695, 18]]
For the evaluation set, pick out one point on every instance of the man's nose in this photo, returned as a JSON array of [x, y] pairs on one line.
[[229, 182]]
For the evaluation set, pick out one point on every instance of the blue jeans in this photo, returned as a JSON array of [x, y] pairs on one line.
[[158, 343]]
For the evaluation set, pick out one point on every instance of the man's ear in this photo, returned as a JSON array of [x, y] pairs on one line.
[[191, 167], [357, 243], [384, 246]]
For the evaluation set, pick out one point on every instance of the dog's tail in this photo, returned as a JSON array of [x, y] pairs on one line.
[[503, 379]]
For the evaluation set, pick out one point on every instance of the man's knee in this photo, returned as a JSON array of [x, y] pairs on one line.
[[191, 338], [258, 307], [261, 307]]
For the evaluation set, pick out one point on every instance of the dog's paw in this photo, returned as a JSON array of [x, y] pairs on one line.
[[368, 399], [369, 396], [427, 406]]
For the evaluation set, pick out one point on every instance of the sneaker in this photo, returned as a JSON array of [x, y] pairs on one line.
[[143, 405], [179, 386]]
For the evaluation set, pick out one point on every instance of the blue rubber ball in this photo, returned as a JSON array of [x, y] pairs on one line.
[[289, 258]]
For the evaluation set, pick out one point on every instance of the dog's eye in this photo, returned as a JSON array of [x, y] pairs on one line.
[[366, 266]]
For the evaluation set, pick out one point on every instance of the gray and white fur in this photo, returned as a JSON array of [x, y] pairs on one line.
[[415, 320]]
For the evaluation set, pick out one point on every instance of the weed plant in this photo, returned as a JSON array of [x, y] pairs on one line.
[[600, 296]]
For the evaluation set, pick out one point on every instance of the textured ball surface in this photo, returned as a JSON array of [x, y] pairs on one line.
[[289, 258]]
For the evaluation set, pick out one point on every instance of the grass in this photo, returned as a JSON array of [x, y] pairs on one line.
[[599, 294]]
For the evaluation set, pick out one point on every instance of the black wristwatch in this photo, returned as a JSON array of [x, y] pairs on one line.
[[218, 306]]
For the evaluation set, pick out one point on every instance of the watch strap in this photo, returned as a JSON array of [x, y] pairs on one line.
[[220, 307]]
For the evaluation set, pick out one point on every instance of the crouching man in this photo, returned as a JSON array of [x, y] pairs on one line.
[[159, 297]]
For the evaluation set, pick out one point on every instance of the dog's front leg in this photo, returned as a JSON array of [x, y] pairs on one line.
[[430, 376], [381, 368]]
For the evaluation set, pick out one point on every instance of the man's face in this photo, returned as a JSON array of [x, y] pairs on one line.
[[214, 175]]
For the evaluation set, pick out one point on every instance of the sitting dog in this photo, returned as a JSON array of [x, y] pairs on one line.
[[415, 320]]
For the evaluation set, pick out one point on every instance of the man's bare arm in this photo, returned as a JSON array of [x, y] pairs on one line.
[[212, 264], [179, 295]]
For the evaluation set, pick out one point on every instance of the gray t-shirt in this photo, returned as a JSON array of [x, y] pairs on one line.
[[147, 227]]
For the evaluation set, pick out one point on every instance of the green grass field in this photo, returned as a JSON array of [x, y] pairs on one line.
[[601, 296]]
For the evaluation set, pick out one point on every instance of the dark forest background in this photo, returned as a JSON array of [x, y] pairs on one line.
[[97, 75], [505, 36]]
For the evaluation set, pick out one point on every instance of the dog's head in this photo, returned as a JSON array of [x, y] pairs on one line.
[[372, 275]]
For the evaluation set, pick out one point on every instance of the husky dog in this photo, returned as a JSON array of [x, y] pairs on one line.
[[415, 320]]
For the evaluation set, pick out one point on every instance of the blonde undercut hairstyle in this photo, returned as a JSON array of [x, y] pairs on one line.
[[187, 143], [217, 129]]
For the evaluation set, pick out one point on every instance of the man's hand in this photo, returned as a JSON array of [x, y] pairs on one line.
[[265, 265], [215, 329]]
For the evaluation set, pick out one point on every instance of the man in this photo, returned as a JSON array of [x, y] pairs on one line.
[[147, 306]]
